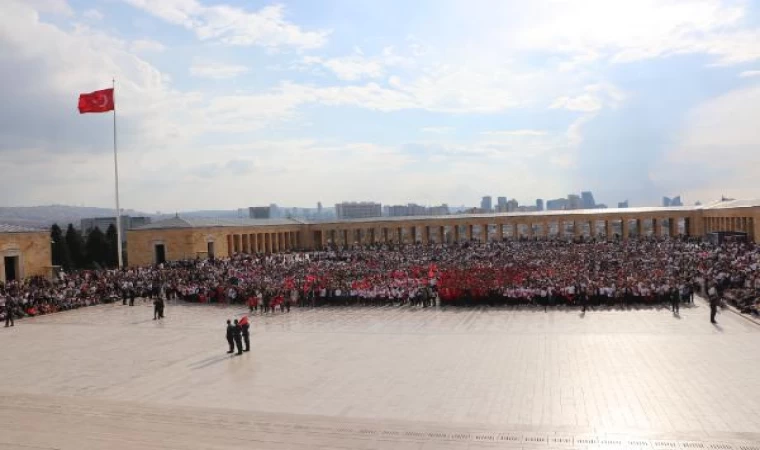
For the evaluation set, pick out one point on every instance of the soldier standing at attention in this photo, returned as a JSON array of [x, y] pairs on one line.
[[237, 334], [230, 336]]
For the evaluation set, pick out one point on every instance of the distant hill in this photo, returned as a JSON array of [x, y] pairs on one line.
[[45, 216]]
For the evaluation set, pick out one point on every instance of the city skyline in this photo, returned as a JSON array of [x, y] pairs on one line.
[[305, 102]]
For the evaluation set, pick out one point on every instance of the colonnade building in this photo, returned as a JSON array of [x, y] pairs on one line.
[[181, 238]]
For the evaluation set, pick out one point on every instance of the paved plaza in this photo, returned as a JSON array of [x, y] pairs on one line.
[[110, 377]]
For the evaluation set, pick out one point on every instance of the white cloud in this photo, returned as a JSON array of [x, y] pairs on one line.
[[93, 14], [584, 103], [749, 73], [217, 71], [358, 66], [716, 152], [146, 45], [583, 32], [437, 130], [230, 25], [525, 132], [594, 98]]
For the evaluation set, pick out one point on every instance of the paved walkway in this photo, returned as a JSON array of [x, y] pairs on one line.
[[382, 378]]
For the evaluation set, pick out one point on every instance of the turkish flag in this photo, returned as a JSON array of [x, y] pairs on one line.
[[96, 102]]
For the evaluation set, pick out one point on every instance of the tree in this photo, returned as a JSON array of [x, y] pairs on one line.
[[61, 255], [96, 247], [112, 245], [76, 247]]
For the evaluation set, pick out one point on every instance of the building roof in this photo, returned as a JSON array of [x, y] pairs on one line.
[[202, 222], [11, 228]]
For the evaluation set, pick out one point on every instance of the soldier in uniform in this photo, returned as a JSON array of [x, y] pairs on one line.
[[230, 336], [237, 334], [9, 307]]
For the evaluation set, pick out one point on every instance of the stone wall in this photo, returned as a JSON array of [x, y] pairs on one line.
[[34, 252]]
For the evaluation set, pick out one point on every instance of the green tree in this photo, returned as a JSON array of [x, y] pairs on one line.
[[60, 250], [96, 248], [76, 247], [112, 246]]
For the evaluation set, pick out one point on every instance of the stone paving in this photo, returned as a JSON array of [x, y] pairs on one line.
[[383, 378]]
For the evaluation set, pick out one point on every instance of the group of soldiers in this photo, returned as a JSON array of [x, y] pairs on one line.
[[237, 334]]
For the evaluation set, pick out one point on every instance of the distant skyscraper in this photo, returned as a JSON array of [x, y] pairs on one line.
[[260, 212], [319, 208], [501, 204], [666, 201], [512, 205], [358, 210], [623, 204], [574, 202], [539, 204], [485, 203], [676, 201], [588, 200], [557, 204]]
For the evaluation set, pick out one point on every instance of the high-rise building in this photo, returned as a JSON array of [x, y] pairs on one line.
[[501, 204], [413, 209], [512, 205], [539, 204], [260, 212], [358, 210], [676, 201], [623, 204], [442, 210], [557, 204], [666, 201], [574, 201], [485, 204], [588, 200], [319, 209]]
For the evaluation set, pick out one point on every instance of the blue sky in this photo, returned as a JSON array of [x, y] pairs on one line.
[[226, 104]]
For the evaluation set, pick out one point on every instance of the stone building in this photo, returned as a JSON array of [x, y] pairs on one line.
[[179, 238], [24, 252]]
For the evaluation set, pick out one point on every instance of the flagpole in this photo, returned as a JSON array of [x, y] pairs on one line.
[[116, 180]]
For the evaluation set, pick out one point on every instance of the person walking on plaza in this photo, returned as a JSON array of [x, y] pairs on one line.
[[230, 336], [245, 325], [237, 334], [9, 307], [714, 300]]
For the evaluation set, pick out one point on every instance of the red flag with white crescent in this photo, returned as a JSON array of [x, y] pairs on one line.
[[96, 102]]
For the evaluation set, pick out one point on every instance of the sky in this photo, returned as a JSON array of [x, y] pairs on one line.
[[224, 104]]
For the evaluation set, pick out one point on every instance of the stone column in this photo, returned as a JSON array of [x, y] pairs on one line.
[[425, 234], [230, 248], [639, 228], [608, 229], [673, 226], [455, 232], [468, 231], [413, 233], [500, 232], [656, 228], [529, 232], [577, 228], [244, 243], [384, 235], [441, 234], [625, 228], [688, 226]]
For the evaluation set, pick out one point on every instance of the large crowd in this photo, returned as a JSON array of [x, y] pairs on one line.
[[542, 273]]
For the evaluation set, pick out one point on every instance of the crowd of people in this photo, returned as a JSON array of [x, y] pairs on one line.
[[536, 272]]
